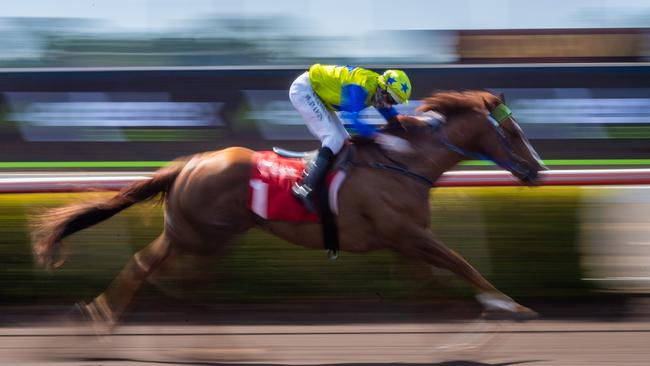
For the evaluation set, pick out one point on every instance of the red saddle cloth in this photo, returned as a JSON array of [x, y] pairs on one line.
[[269, 192]]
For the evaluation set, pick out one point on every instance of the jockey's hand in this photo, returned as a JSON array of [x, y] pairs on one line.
[[393, 143]]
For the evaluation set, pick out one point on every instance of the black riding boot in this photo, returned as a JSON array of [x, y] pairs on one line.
[[312, 177]]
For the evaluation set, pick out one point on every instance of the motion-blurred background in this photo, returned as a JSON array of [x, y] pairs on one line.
[[89, 87]]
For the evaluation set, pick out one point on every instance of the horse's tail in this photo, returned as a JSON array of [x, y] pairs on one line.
[[55, 224]]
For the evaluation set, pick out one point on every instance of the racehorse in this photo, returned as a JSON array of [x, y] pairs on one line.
[[383, 203]]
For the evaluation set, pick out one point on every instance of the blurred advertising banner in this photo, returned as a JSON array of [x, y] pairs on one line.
[[545, 113], [96, 116], [552, 45]]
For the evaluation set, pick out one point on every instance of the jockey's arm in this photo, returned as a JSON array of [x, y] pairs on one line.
[[391, 116], [353, 101]]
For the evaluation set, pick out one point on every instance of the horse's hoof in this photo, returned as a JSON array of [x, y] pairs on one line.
[[76, 314], [94, 318], [520, 314]]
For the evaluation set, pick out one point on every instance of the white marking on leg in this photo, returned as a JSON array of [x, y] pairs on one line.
[[492, 301], [139, 263]]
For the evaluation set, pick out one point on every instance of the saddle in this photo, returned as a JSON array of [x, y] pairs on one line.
[[306, 155], [343, 159], [270, 196]]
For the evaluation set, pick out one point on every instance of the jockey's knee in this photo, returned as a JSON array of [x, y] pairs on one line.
[[334, 143]]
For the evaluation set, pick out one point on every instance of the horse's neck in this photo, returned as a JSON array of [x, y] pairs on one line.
[[432, 158], [431, 163]]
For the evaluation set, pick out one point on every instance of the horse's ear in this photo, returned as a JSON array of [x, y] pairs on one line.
[[503, 98], [487, 105]]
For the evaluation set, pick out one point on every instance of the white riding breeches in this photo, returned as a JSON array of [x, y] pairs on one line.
[[322, 122]]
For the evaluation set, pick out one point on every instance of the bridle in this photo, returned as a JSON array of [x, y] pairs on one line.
[[499, 115]]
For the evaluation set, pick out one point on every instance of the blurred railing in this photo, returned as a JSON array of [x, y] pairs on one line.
[[40, 183]]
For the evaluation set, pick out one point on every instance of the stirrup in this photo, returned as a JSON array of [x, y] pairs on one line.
[[303, 193]]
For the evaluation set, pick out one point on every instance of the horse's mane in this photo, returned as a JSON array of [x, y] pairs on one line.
[[449, 103]]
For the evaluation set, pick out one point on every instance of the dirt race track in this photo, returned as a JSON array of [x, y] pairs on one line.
[[442, 344]]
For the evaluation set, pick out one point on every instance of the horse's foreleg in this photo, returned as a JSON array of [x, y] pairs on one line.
[[424, 246], [106, 309]]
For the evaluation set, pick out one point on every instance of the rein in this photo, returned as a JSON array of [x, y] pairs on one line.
[[403, 171], [496, 117], [398, 167]]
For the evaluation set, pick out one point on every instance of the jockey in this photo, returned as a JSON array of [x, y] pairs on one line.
[[318, 93]]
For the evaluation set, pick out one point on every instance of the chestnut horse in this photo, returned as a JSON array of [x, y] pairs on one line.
[[379, 207]]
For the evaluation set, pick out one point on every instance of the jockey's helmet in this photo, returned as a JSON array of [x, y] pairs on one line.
[[397, 84]]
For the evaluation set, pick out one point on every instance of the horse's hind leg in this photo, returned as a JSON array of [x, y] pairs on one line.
[[424, 246], [107, 308]]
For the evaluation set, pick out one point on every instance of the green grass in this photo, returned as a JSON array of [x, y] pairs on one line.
[[574, 162], [80, 164]]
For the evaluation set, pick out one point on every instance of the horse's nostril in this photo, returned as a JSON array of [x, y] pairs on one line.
[[527, 173]]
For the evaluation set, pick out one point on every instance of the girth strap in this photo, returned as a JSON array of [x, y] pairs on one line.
[[328, 222]]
